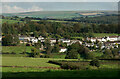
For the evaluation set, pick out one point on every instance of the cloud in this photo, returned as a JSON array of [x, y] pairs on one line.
[[16, 9]]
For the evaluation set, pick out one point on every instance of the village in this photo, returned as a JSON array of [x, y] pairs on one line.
[[95, 43]]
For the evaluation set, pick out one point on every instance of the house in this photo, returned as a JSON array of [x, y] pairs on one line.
[[112, 38], [52, 40], [118, 38], [62, 49], [34, 40], [24, 39], [74, 41], [91, 39], [112, 44], [65, 40], [40, 38], [0, 38]]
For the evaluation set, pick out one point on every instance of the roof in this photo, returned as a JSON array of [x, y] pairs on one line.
[[113, 36]]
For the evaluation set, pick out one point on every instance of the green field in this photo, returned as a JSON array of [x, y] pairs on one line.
[[16, 49], [24, 61], [43, 73], [9, 21], [48, 72], [51, 14], [104, 34]]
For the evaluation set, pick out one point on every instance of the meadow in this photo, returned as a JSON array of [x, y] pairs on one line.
[[104, 34], [16, 49], [49, 72], [9, 21]]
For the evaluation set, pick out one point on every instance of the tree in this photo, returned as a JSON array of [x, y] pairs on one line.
[[48, 46], [7, 40], [38, 45], [34, 52], [56, 48], [72, 54], [95, 62]]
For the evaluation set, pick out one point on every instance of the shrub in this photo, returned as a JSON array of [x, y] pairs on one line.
[[95, 62]]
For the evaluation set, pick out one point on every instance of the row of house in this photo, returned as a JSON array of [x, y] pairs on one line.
[[104, 39], [107, 42]]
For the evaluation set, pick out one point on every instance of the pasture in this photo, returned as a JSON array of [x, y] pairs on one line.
[[30, 67], [16, 49], [9, 21], [104, 34]]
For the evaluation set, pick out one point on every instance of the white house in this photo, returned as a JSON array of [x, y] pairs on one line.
[[74, 41], [0, 38], [34, 40], [24, 39], [118, 38], [40, 38], [52, 40], [65, 40], [62, 49], [112, 38], [91, 39]]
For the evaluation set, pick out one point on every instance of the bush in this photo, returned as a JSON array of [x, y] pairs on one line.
[[13, 53], [48, 56], [95, 62]]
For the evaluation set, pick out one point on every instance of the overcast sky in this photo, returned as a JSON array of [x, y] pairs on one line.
[[17, 7], [60, 0]]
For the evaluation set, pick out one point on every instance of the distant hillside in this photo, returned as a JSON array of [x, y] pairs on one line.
[[61, 14]]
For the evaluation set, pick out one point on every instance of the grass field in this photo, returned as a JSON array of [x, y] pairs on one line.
[[9, 21], [43, 73], [48, 72], [24, 61], [16, 49], [104, 34]]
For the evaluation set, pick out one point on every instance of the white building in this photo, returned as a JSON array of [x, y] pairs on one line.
[[34, 40], [62, 49], [65, 40], [40, 38], [52, 40], [74, 41], [0, 38], [112, 38]]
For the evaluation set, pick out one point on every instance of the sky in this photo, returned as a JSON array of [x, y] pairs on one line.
[[73, 5], [60, 0]]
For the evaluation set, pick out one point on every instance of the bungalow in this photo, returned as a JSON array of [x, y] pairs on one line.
[[62, 49]]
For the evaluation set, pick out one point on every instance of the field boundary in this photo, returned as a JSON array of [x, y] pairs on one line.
[[32, 67]]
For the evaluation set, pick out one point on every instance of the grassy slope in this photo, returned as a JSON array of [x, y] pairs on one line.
[[22, 61], [16, 49]]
